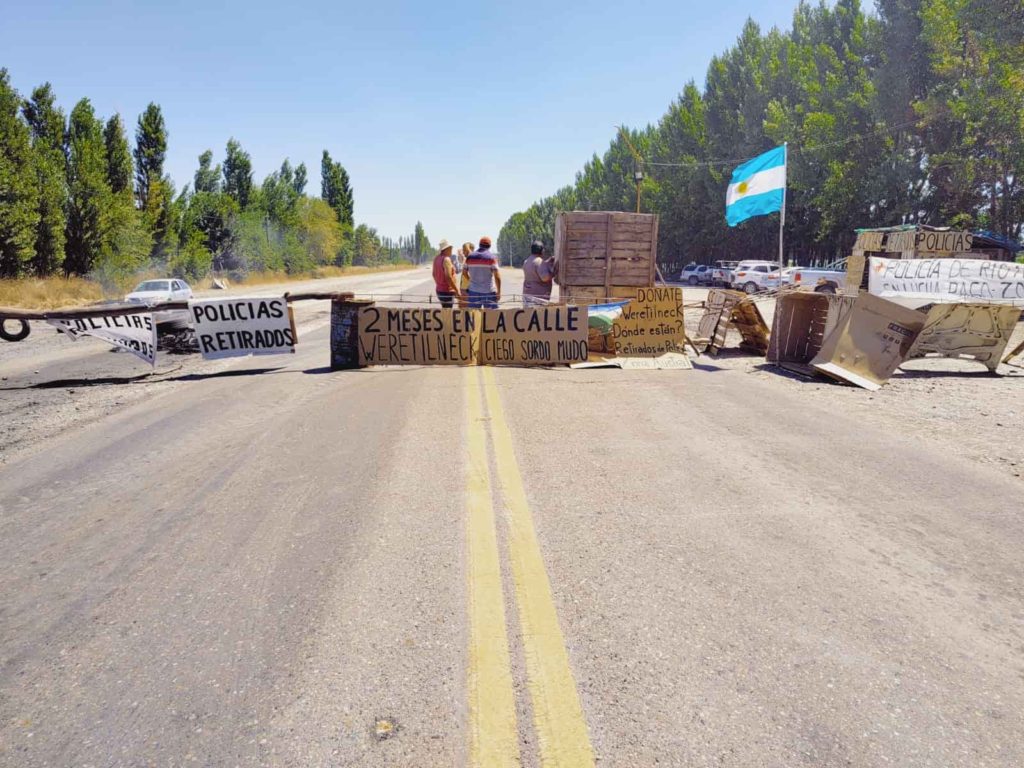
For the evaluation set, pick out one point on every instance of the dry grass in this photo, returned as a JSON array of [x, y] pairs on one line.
[[59, 292], [49, 293], [320, 273]]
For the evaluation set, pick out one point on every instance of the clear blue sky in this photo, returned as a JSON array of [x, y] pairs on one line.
[[457, 114]]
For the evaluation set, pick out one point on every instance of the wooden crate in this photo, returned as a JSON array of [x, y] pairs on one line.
[[606, 249]]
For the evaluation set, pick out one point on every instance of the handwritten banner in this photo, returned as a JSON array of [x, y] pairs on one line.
[[916, 282], [237, 327], [651, 324], [134, 333], [418, 336], [551, 335]]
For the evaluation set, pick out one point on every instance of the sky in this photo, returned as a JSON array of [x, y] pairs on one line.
[[455, 114]]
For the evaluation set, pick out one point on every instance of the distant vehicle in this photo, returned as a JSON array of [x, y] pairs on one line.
[[752, 276], [151, 292], [159, 291], [722, 273], [695, 274], [828, 279]]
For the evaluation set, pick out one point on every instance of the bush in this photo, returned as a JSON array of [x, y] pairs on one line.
[[192, 262]]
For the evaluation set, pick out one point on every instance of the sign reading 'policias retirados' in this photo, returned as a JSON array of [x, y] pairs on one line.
[[418, 336], [132, 333], [242, 326]]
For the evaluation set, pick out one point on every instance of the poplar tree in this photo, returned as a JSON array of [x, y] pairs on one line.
[[47, 124], [207, 178], [119, 157], [150, 153], [19, 192], [88, 190], [335, 189], [238, 173]]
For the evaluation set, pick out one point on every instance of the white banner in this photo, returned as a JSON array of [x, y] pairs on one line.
[[239, 326], [135, 333], [916, 282]]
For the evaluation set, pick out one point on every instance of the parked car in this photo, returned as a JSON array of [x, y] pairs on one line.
[[159, 291], [772, 281], [827, 279], [151, 292], [695, 274], [722, 273], [752, 276]]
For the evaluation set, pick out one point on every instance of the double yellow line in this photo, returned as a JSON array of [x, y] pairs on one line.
[[557, 714]]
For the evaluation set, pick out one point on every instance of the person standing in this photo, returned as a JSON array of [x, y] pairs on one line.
[[484, 277], [538, 273], [444, 276], [465, 251]]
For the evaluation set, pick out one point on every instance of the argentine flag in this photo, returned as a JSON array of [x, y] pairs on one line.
[[757, 187]]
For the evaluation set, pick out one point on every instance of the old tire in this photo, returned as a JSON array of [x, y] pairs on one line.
[[18, 335], [750, 287], [825, 288]]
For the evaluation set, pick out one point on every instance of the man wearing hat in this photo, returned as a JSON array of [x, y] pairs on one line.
[[444, 276], [484, 278]]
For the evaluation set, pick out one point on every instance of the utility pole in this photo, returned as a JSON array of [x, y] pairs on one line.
[[638, 169]]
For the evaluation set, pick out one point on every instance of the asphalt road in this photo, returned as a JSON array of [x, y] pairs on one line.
[[273, 564]]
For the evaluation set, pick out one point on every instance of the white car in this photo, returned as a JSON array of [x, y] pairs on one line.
[[159, 291], [753, 276], [695, 274], [152, 292]]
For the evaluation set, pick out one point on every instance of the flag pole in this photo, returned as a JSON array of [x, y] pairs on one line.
[[782, 213]]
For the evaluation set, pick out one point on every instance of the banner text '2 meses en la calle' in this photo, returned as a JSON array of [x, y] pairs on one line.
[[549, 335]]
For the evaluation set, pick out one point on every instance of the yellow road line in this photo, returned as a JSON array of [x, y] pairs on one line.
[[494, 737], [557, 714]]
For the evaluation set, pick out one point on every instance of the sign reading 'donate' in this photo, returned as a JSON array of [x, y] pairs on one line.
[[134, 333], [240, 326], [551, 335], [916, 282], [651, 324], [417, 336]]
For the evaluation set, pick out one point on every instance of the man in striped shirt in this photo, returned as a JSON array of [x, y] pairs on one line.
[[484, 277]]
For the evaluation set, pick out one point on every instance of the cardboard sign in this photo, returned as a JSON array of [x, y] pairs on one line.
[[927, 241], [916, 282], [417, 336], [134, 333], [239, 326], [870, 342], [980, 331], [650, 325], [552, 335], [670, 361]]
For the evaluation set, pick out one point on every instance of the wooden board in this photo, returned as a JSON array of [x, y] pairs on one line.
[[727, 309]]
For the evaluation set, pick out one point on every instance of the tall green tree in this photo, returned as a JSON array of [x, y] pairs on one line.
[[336, 190], [207, 178], [150, 154], [238, 174], [19, 189], [119, 157], [48, 127], [89, 194]]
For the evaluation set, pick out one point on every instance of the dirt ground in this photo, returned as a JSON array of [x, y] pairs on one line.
[[979, 415]]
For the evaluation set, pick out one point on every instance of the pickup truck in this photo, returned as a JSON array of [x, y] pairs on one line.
[[827, 279]]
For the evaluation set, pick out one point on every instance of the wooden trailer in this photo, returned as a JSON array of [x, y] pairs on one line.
[[605, 254]]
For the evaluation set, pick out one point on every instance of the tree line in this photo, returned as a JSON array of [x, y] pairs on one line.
[[77, 198], [914, 114]]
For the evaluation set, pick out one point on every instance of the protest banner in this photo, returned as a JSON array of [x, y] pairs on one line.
[[916, 282], [551, 335], [417, 336], [134, 333], [240, 326], [650, 325]]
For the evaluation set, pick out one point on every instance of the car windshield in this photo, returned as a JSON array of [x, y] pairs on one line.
[[153, 285]]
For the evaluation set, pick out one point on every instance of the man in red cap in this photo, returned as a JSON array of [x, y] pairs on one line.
[[484, 278]]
